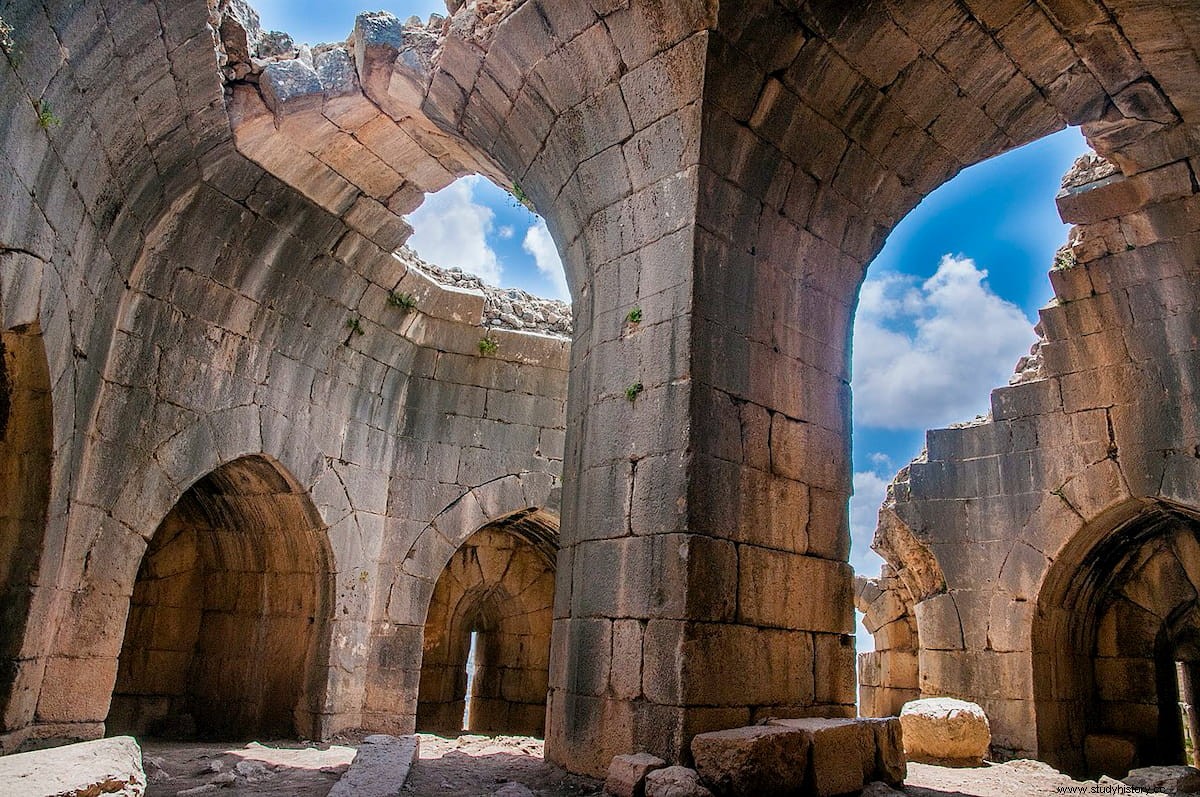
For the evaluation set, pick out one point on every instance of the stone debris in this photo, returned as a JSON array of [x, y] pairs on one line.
[[380, 767], [503, 308], [943, 730], [110, 766], [1165, 779], [675, 782], [627, 774], [513, 790], [1088, 168]]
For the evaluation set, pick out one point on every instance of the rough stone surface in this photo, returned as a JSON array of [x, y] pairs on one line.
[[675, 782], [196, 289], [627, 774], [758, 759], [106, 766], [1168, 780], [380, 767], [944, 730]]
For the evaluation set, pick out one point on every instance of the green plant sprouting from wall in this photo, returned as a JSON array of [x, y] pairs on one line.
[[354, 324], [405, 301], [634, 316], [6, 40], [1065, 258], [633, 391], [46, 117], [519, 194], [488, 345]]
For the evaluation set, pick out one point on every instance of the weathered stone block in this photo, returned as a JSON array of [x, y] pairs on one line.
[[380, 767], [675, 782], [757, 760], [105, 766], [945, 730], [627, 774], [290, 87]]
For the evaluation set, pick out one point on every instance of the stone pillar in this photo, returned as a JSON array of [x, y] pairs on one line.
[[702, 582]]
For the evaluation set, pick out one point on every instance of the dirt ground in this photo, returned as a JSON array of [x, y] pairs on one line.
[[481, 766]]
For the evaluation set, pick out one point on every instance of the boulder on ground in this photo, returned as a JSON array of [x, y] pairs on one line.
[[1168, 779], [105, 766], [627, 774], [943, 730], [675, 782]]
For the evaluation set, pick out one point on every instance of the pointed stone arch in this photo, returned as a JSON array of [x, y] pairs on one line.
[[1118, 609], [497, 589], [229, 618]]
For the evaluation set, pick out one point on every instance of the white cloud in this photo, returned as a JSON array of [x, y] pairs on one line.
[[450, 229], [540, 244], [869, 491], [506, 232], [928, 355]]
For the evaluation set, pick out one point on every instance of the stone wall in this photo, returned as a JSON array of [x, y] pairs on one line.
[[203, 237], [194, 310], [1063, 525]]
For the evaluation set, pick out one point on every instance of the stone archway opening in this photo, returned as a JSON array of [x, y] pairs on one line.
[[1115, 653], [26, 452], [229, 613], [487, 633]]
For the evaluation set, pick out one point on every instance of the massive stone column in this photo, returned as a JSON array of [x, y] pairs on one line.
[[703, 581]]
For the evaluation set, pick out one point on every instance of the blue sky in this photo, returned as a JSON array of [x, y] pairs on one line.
[[947, 309]]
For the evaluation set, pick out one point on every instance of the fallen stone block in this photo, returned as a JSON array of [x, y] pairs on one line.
[[757, 760], [1165, 779], [105, 766], [627, 774], [942, 730], [380, 767], [845, 755], [675, 782]]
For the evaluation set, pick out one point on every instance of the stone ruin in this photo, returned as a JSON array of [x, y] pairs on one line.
[[236, 427]]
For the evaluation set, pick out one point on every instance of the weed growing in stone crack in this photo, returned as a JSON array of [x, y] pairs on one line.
[[46, 117], [6, 40], [354, 324], [633, 390], [405, 301], [1064, 259], [634, 316], [488, 345], [519, 194]]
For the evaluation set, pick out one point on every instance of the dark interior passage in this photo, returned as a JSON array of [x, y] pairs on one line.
[[1116, 653], [228, 613], [499, 587], [26, 449]]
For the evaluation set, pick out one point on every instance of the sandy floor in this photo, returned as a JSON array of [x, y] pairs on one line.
[[479, 766], [276, 769]]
